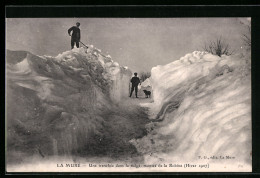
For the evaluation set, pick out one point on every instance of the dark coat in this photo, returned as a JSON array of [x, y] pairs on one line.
[[75, 33], [135, 81]]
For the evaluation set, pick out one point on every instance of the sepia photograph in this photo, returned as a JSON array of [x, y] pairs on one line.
[[128, 94]]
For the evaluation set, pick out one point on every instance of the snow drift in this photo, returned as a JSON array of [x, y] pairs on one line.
[[201, 111], [58, 105], [146, 83]]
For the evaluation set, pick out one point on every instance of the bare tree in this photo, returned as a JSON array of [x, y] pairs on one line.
[[218, 47]]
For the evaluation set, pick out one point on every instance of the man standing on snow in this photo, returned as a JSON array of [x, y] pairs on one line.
[[75, 37], [135, 81]]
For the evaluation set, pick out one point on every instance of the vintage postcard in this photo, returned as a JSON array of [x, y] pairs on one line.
[[128, 95]]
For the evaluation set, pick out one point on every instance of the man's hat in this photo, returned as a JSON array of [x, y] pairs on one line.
[[77, 23]]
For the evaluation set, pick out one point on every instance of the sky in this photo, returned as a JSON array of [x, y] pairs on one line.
[[139, 43]]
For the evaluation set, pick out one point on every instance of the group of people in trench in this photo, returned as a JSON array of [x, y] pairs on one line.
[[75, 39]]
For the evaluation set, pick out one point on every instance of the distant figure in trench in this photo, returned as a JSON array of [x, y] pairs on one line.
[[75, 37], [135, 81]]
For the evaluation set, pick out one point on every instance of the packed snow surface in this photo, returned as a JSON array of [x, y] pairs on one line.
[[201, 112]]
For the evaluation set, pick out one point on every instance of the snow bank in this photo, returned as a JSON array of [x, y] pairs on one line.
[[176, 77], [202, 109], [111, 71], [58, 105], [146, 83]]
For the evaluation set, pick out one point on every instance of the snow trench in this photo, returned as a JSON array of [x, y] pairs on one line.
[[76, 104]]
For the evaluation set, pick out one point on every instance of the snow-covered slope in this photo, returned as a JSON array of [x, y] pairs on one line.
[[58, 105], [146, 83], [201, 111]]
